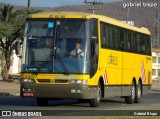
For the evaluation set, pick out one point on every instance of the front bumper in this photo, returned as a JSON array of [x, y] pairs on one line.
[[59, 91]]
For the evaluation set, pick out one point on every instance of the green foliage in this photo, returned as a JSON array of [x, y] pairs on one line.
[[19, 17], [6, 12], [5, 29], [12, 26]]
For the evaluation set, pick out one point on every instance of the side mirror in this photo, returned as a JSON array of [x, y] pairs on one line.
[[18, 47], [93, 40], [57, 51]]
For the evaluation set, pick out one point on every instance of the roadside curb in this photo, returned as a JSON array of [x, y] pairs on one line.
[[155, 89], [5, 94], [9, 94], [16, 94]]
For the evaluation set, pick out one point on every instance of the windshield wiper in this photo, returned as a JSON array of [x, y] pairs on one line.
[[43, 64], [57, 33], [62, 64], [46, 61]]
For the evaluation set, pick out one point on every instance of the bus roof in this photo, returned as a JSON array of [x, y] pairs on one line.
[[106, 19]]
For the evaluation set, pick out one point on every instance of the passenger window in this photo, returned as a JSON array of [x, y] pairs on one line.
[[138, 42]]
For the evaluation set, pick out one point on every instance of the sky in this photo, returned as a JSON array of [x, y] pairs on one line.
[[49, 3]]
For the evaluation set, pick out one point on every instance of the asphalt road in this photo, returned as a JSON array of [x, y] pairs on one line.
[[150, 101]]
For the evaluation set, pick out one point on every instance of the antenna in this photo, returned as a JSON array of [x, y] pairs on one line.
[[94, 3]]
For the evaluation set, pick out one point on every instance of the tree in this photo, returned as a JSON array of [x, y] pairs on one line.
[[6, 12], [11, 28]]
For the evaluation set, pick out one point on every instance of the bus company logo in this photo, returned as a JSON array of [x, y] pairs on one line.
[[105, 78], [143, 72], [32, 76], [113, 59], [6, 113]]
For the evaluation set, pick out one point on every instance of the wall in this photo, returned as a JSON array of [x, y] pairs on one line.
[[15, 64], [155, 66]]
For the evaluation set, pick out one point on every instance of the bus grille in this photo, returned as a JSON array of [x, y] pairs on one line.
[[43, 80], [60, 81]]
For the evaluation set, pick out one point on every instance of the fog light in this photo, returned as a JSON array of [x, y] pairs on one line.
[[27, 81], [79, 91], [75, 81], [76, 91], [27, 89], [73, 91]]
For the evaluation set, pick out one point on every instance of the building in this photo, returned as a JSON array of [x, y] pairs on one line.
[[156, 64], [14, 69], [15, 65]]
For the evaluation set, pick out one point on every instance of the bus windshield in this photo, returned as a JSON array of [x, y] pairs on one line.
[[58, 46]]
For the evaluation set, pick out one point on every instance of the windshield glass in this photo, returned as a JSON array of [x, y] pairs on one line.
[[39, 44], [58, 46]]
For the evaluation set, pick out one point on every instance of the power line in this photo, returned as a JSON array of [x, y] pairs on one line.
[[94, 3]]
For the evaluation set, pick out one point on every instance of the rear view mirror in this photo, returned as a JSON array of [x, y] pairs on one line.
[[93, 38], [57, 51], [18, 47]]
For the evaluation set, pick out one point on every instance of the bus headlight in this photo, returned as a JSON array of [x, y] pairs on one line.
[[74, 81], [27, 81]]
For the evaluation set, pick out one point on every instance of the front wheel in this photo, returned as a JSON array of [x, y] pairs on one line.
[[42, 101], [96, 102], [130, 99]]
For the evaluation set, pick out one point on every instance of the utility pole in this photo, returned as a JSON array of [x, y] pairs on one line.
[[94, 3], [127, 16], [28, 7], [157, 25]]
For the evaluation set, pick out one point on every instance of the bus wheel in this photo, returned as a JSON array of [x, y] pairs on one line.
[[82, 100], [96, 102], [42, 101], [138, 93], [130, 99]]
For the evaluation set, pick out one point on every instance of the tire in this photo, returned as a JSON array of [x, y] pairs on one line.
[[42, 101], [138, 93], [96, 102], [82, 100], [130, 99]]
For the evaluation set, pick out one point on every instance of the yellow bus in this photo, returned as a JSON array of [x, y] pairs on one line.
[[84, 56]]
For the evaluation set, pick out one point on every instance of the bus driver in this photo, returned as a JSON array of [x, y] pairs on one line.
[[77, 52]]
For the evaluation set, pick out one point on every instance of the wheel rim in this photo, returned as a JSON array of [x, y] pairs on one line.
[[139, 91], [133, 92]]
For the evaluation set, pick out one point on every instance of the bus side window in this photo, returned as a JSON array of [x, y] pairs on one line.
[[138, 42], [148, 45], [125, 34], [122, 36], [116, 36], [132, 41], [103, 36], [107, 35], [142, 43], [129, 41]]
